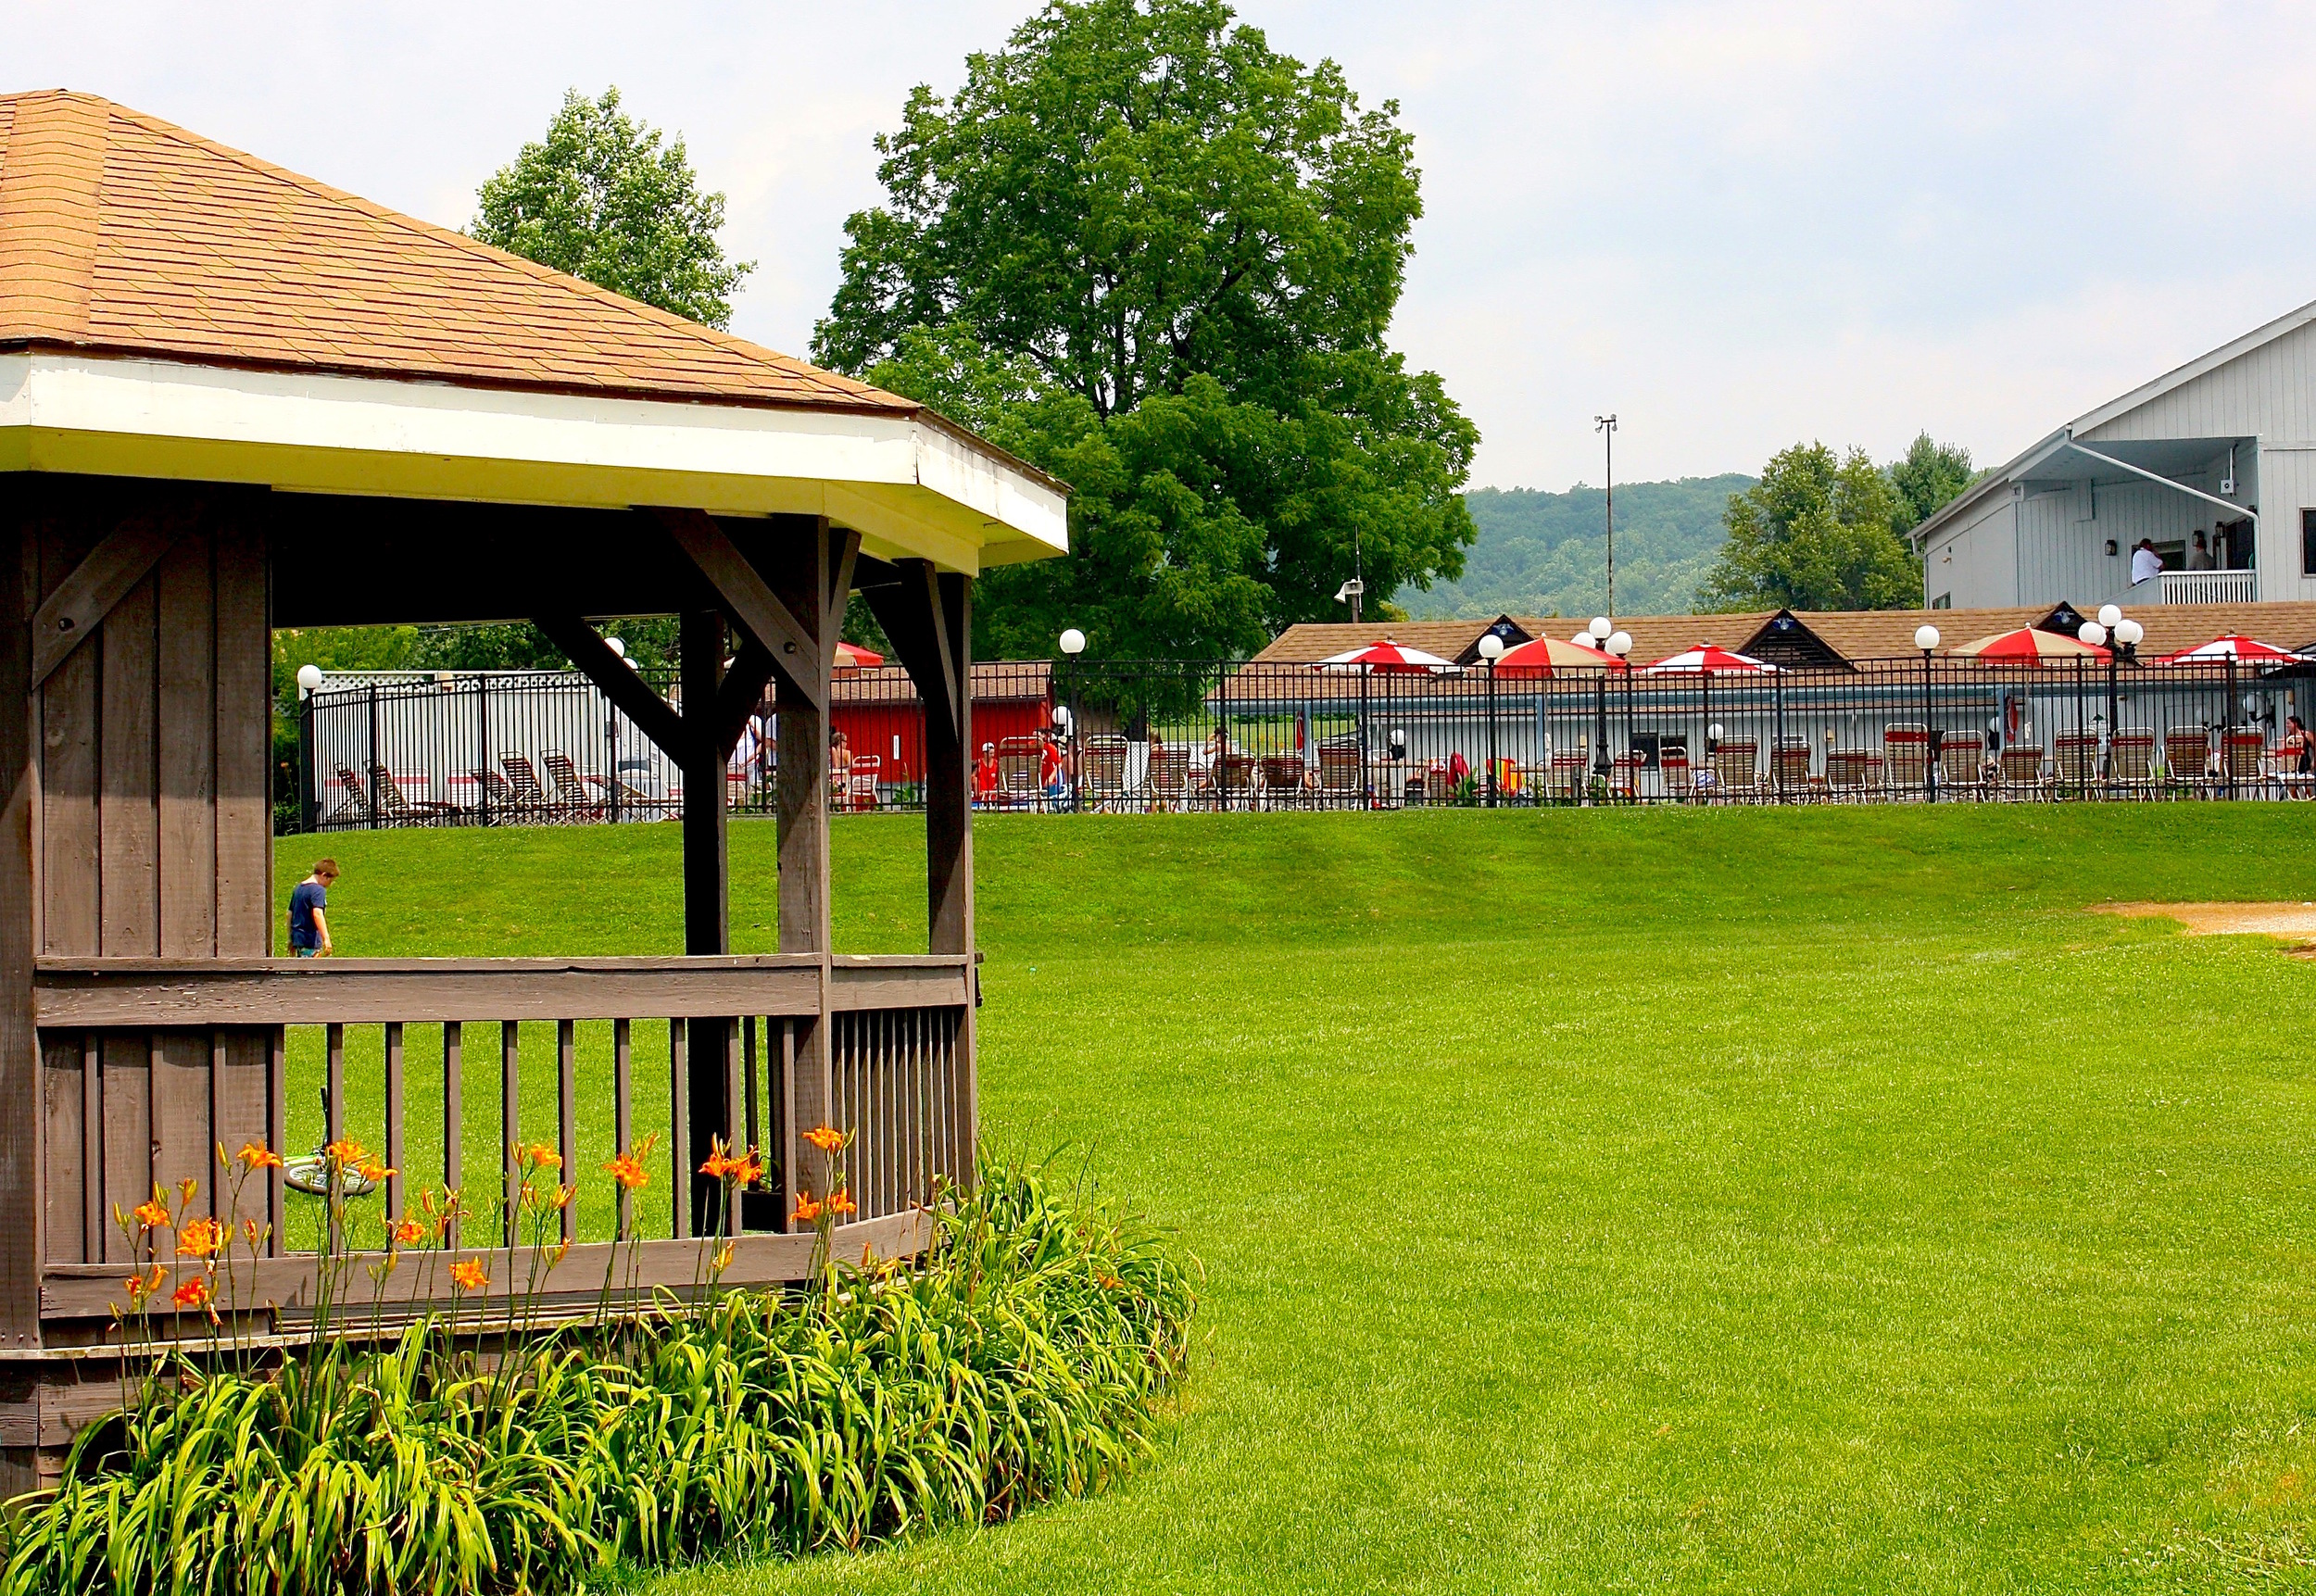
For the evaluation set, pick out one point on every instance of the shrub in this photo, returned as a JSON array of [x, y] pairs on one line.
[[1028, 1356]]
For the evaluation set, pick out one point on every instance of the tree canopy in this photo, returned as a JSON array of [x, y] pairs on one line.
[[1929, 476], [601, 198], [1146, 252], [1815, 533]]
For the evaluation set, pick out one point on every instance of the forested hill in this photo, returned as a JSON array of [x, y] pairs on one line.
[[1540, 553]]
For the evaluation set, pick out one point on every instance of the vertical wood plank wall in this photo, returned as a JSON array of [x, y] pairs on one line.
[[153, 837]]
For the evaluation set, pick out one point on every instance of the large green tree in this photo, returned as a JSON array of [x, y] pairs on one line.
[[1929, 476], [1815, 533], [601, 198], [1150, 253]]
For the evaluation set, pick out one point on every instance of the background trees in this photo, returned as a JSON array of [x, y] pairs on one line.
[[1149, 254]]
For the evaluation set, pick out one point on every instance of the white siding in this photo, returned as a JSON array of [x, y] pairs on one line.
[[2266, 393], [1976, 561], [2287, 487]]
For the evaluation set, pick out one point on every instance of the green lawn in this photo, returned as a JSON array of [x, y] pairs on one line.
[[1733, 1200]]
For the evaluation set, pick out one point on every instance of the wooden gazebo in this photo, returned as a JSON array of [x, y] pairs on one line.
[[232, 398]]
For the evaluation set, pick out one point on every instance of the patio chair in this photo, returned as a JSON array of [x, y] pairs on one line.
[[1169, 778], [354, 805], [571, 796], [2020, 766], [1845, 773], [1283, 779], [1737, 770], [2130, 759], [492, 793], [385, 796], [860, 782], [1672, 768], [2075, 758], [523, 783], [1233, 779], [1566, 784], [1102, 772], [1905, 758], [634, 800], [1341, 779], [2283, 770], [2187, 762], [1017, 760], [1962, 764], [1624, 776], [1788, 767], [2245, 753]]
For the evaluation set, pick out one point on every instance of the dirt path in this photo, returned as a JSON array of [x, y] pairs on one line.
[[2294, 922]]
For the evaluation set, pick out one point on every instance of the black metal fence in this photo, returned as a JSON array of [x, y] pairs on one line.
[[527, 748]]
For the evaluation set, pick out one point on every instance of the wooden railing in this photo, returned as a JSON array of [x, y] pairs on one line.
[[151, 1065]]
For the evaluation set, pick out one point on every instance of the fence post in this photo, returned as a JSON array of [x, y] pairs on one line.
[[308, 803], [1930, 738], [483, 740], [372, 773]]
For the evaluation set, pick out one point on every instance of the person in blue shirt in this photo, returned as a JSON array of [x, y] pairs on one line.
[[308, 919]]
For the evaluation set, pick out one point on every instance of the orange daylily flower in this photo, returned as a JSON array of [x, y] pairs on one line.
[[840, 1201], [202, 1237], [628, 1170], [143, 1286], [724, 1258], [407, 1232], [806, 1208], [469, 1274], [826, 1139], [255, 1155], [153, 1212], [748, 1170], [193, 1293], [346, 1151], [374, 1171]]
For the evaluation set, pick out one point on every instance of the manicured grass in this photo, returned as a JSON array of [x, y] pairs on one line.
[[1730, 1201]]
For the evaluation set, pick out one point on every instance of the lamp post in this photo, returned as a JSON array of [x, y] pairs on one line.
[[1596, 636], [1606, 427], [1926, 639], [2095, 634], [1073, 644], [1492, 649], [309, 684], [1620, 644]]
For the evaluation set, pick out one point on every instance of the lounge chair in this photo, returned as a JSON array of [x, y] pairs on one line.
[[522, 782], [1737, 770], [1017, 761], [2187, 762], [1233, 778], [2246, 753], [1284, 777], [861, 781], [2020, 766], [2075, 756], [1962, 764], [572, 796], [1624, 776], [355, 806], [1169, 778], [1341, 781], [1905, 758], [1788, 767], [385, 796], [2131, 761], [1102, 772], [1672, 768], [1567, 780], [1845, 773]]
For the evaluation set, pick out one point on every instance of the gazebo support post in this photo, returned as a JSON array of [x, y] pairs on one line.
[[707, 893]]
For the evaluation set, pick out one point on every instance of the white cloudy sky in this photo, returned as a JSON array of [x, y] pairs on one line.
[[1736, 225]]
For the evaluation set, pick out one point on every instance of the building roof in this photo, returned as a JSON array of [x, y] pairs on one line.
[[121, 234], [1853, 634]]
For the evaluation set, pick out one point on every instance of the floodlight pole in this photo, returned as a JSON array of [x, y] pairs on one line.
[[1606, 427], [1491, 733]]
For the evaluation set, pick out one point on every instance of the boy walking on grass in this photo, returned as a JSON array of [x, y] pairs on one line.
[[309, 922]]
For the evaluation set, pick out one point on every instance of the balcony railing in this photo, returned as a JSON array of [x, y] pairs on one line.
[[2210, 587], [151, 1065]]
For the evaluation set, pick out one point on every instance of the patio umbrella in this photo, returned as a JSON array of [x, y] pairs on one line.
[[1706, 662], [1386, 659], [2029, 645], [852, 657], [1548, 655], [2234, 647]]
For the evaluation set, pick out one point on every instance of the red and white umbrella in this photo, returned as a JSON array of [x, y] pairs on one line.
[[1550, 655], [2234, 645], [852, 657], [1386, 658], [1706, 659], [2029, 645]]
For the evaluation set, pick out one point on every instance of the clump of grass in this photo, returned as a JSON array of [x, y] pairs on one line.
[[1027, 1357]]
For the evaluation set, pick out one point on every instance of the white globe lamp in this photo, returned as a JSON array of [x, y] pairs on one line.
[[309, 679], [2129, 632], [1620, 644], [617, 649], [2093, 634], [1925, 638], [1600, 629], [1073, 641], [1490, 647], [2109, 614]]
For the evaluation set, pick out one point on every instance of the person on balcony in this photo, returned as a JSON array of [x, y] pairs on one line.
[[308, 919], [2198, 557], [2145, 563]]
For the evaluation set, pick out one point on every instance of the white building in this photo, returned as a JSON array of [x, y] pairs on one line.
[[2226, 445]]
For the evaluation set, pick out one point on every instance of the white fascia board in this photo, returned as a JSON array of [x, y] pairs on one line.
[[2115, 408], [1979, 492], [910, 487]]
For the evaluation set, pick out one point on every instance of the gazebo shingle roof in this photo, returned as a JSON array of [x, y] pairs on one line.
[[121, 235]]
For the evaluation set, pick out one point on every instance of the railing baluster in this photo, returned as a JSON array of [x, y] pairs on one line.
[[333, 1128], [622, 1112], [453, 1121], [679, 1130], [394, 1120], [748, 1056], [510, 1121], [91, 1148], [277, 1138], [567, 1118]]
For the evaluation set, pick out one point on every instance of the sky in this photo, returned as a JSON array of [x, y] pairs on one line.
[[1735, 226]]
